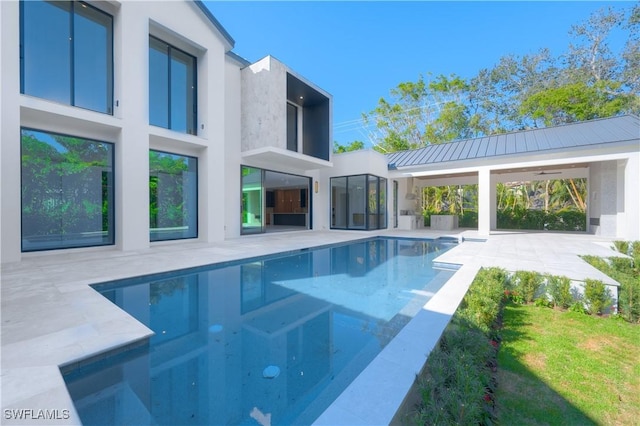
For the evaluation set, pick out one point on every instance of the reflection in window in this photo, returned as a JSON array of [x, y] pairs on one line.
[[67, 54], [67, 191], [172, 87], [173, 196], [292, 127]]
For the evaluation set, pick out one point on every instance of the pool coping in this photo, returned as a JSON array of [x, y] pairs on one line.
[[51, 317]]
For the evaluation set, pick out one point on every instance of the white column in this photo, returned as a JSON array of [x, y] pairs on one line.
[[132, 149], [485, 202], [630, 229], [493, 206], [213, 189], [10, 132]]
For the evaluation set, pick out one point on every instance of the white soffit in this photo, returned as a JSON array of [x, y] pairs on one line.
[[273, 158]]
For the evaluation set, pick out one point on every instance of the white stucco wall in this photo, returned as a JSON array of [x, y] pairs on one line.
[[358, 162], [178, 23], [629, 219], [231, 180], [10, 131], [603, 204]]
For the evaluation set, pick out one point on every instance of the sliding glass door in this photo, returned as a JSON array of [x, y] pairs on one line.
[[274, 201], [252, 201]]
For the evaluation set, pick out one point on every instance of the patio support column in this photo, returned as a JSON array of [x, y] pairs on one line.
[[485, 209]]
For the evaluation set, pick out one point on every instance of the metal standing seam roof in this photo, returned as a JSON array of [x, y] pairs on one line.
[[587, 133]]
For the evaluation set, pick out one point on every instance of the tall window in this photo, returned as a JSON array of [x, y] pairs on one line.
[[173, 196], [67, 54], [67, 191], [172, 88], [358, 202], [292, 127]]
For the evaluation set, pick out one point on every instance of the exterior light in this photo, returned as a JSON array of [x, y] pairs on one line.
[[315, 187]]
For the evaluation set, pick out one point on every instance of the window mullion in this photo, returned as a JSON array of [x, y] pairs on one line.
[[72, 53], [169, 86], [194, 97]]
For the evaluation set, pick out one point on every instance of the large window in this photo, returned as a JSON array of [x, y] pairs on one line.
[[172, 88], [173, 196], [67, 191], [67, 54], [358, 202]]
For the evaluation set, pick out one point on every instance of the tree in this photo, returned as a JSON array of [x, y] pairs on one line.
[[594, 82], [589, 81], [576, 102], [422, 113], [501, 90], [353, 146]]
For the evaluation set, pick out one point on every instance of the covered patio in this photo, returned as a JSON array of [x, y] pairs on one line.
[[606, 152]]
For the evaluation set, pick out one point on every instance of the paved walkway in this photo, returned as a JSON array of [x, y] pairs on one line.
[[51, 317]]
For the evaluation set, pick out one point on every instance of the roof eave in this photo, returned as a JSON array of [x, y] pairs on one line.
[[225, 34]]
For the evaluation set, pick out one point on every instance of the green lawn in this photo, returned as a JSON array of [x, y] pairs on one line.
[[567, 368]]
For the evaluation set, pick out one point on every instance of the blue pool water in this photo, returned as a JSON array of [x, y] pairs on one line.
[[272, 340]]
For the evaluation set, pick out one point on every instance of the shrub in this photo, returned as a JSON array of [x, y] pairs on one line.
[[578, 307], [559, 290], [622, 246], [456, 378], [542, 302], [457, 386], [597, 296], [563, 220], [527, 284], [629, 299], [622, 265], [481, 305], [468, 219]]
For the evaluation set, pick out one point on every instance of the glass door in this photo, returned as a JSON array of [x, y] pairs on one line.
[[252, 201]]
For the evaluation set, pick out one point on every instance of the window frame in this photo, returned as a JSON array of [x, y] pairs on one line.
[[110, 72], [370, 221], [195, 233], [189, 121], [111, 197]]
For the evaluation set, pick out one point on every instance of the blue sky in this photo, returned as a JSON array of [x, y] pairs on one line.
[[358, 51]]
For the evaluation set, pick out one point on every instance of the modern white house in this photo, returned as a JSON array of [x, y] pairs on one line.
[[134, 141], [130, 124]]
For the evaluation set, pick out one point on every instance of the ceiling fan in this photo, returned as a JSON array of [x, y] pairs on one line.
[[542, 173]]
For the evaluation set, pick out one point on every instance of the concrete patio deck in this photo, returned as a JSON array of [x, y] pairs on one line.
[[51, 317]]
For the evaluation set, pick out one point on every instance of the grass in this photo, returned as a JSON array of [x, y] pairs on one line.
[[567, 368]]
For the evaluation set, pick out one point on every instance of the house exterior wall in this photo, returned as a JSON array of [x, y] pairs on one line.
[[242, 109], [180, 24], [629, 219], [603, 210], [264, 102], [231, 179], [614, 200], [9, 131]]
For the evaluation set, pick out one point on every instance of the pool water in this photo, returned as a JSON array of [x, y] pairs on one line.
[[270, 340]]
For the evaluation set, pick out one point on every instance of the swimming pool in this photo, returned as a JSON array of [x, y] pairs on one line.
[[270, 340]]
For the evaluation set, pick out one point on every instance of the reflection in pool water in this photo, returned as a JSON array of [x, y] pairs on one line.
[[268, 341]]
